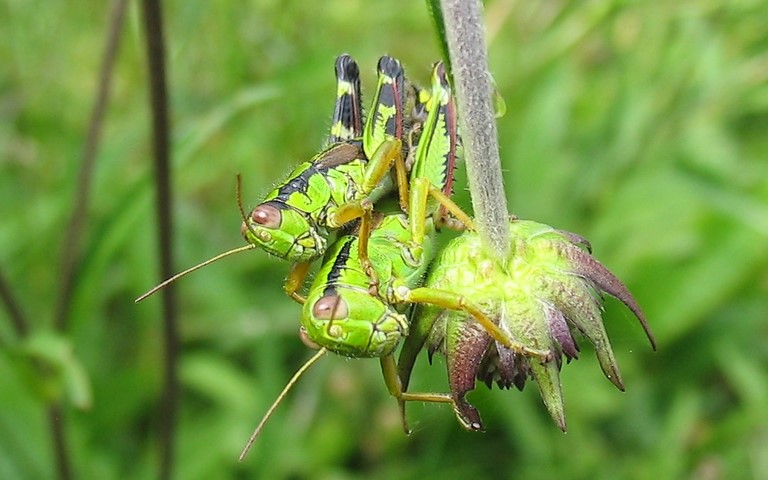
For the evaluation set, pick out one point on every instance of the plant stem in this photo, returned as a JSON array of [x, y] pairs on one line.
[[12, 306], [70, 254], [60, 448], [153, 22], [477, 121]]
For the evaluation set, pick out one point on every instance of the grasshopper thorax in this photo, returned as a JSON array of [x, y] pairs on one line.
[[284, 232], [353, 323]]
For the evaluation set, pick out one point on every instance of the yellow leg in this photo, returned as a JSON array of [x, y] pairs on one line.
[[455, 301], [401, 174], [389, 154], [452, 207], [392, 380], [362, 210], [362, 244], [420, 193], [295, 280]]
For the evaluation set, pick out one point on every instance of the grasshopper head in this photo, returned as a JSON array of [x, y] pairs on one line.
[[283, 232], [353, 323]]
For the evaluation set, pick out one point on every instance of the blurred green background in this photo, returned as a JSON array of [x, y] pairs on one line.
[[641, 125]]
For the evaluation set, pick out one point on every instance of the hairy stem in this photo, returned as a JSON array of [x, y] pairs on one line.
[[474, 95]]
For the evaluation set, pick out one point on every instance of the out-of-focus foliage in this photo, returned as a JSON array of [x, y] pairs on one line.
[[641, 125]]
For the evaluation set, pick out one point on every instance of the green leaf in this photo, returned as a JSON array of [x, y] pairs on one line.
[[60, 372]]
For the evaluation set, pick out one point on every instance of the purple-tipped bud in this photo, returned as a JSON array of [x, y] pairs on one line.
[[589, 268], [561, 334], [548, 288]]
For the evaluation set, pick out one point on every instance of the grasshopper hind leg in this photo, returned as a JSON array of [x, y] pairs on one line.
[[347, 120]]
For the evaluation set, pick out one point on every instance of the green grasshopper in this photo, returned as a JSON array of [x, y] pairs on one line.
[[340, 183], [352, 314], [337, 186]]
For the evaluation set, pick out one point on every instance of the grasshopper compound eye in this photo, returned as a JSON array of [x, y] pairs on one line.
[[267, 216], [330, 307]]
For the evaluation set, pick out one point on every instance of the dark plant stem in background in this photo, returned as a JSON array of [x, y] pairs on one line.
[[70, 255], [477, 120], [153, 23], [58, 439], [63, 468], [18, 319]]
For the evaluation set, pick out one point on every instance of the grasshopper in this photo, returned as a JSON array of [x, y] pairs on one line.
[[338, 185], [352, 314], [341, 182]]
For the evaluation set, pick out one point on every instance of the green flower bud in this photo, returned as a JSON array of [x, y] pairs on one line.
[[546, 290]]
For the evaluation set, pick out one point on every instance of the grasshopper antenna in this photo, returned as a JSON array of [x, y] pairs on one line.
[[239, 196], [154, 289], [238, 189], [279, 399]]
